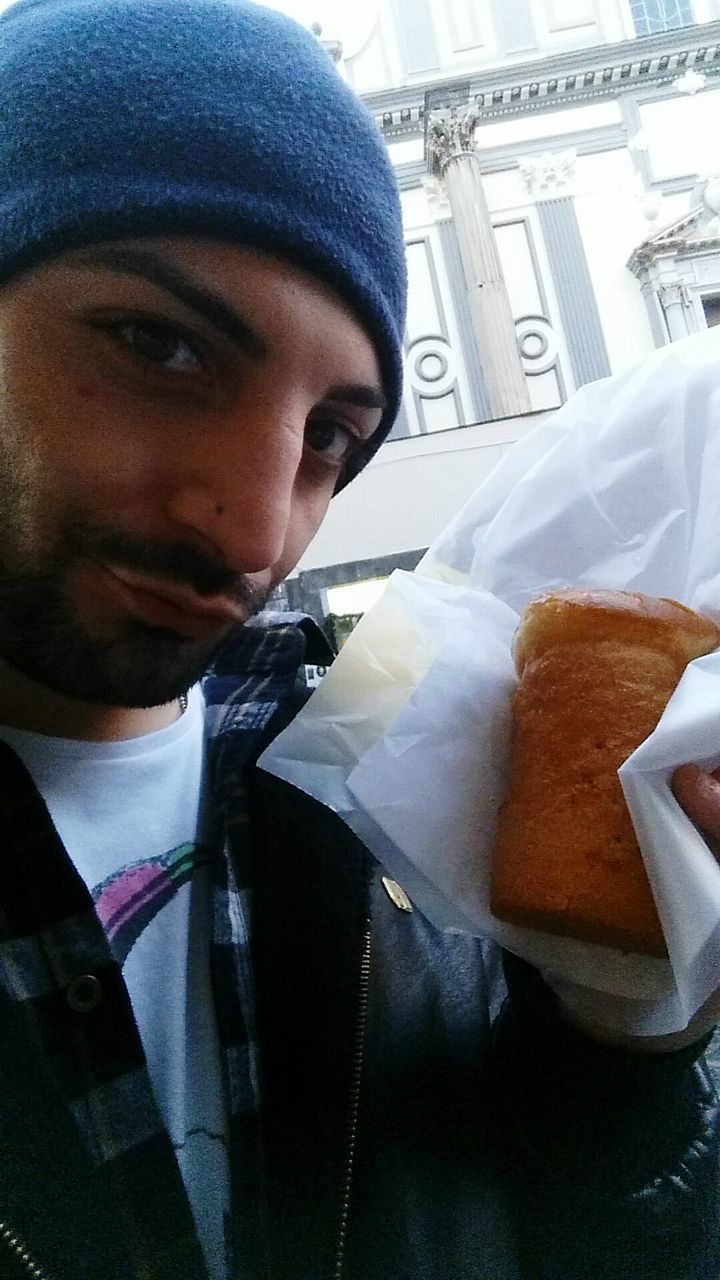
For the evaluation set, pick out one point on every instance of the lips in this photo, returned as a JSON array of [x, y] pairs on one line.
[[174, 607]]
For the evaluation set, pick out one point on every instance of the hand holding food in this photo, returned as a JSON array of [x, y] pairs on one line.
[[698, 791], [596, 670]]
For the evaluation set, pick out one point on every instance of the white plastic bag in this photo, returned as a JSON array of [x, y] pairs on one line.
[[407, 736]]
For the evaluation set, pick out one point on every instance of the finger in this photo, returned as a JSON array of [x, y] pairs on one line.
[[698, 792]]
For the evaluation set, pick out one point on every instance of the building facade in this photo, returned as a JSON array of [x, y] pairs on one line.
[[560, 176]]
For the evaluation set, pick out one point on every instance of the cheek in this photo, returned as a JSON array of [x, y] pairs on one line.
[[86, 392], [97, 449], [67, 439], [28, 497]]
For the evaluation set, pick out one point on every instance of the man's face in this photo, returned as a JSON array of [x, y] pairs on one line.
[[174, 416]]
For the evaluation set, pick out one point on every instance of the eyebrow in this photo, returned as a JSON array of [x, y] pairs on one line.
[[144, 263], [358, 394], [149, 266]]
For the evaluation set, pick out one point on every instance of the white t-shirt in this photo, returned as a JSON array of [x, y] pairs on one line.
[[131, 816]]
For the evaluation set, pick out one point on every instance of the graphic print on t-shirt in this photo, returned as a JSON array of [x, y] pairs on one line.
[[156, 916], [130, 898]]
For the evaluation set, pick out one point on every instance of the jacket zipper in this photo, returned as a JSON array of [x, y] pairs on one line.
[[354, 1103], [19, 1251]]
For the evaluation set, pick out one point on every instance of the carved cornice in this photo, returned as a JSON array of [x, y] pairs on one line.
[[646, 254], [572, 77]]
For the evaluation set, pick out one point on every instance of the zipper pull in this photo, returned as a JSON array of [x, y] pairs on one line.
[[396, 894]]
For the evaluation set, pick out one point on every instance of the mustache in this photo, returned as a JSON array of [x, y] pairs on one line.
[[176, 562]]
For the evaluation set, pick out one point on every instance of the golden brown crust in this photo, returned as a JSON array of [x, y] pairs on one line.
[[596, 671], [562, 617]]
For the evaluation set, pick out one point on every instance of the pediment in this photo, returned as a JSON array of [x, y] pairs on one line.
[[698, 231], [696, 225]]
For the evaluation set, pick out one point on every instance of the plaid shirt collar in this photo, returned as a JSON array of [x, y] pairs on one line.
[[51, 941]]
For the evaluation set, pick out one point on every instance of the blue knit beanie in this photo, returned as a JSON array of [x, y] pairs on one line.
[[219, 118]]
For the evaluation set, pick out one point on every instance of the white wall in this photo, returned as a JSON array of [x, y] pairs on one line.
[[611, 225]]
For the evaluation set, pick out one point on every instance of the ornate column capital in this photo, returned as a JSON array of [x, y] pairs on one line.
[[450, 132], [674, 294], [548, 175], [436, 194]]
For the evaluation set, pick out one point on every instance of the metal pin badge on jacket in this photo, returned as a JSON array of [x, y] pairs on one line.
[[396, 894]]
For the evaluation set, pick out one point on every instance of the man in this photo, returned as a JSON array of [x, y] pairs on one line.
[[200, 319]]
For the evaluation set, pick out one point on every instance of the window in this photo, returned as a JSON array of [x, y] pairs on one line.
[[345, 606], [562, 14], [711, 307], [354, 597], [650, 16], [465, 29]]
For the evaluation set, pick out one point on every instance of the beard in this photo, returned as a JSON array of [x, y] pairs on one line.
[[136, 665]]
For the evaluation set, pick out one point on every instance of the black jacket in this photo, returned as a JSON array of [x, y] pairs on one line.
[[422, 1123]]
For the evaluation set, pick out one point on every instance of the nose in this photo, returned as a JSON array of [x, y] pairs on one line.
[[237, 487]]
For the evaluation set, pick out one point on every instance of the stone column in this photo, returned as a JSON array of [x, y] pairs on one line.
[[675, 303], [450, 136], [549, 179]]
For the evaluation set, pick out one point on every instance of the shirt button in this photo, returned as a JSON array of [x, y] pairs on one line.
[[84, 993]]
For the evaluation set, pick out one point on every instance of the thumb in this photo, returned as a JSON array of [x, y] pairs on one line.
[[698, 793]]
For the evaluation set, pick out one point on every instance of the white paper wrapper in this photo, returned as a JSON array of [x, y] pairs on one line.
[[407, 736]]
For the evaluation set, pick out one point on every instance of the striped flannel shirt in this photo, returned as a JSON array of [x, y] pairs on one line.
[[51, 940]]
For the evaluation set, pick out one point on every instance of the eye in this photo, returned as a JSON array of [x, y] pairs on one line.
[[331, 440], [159, 345]]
